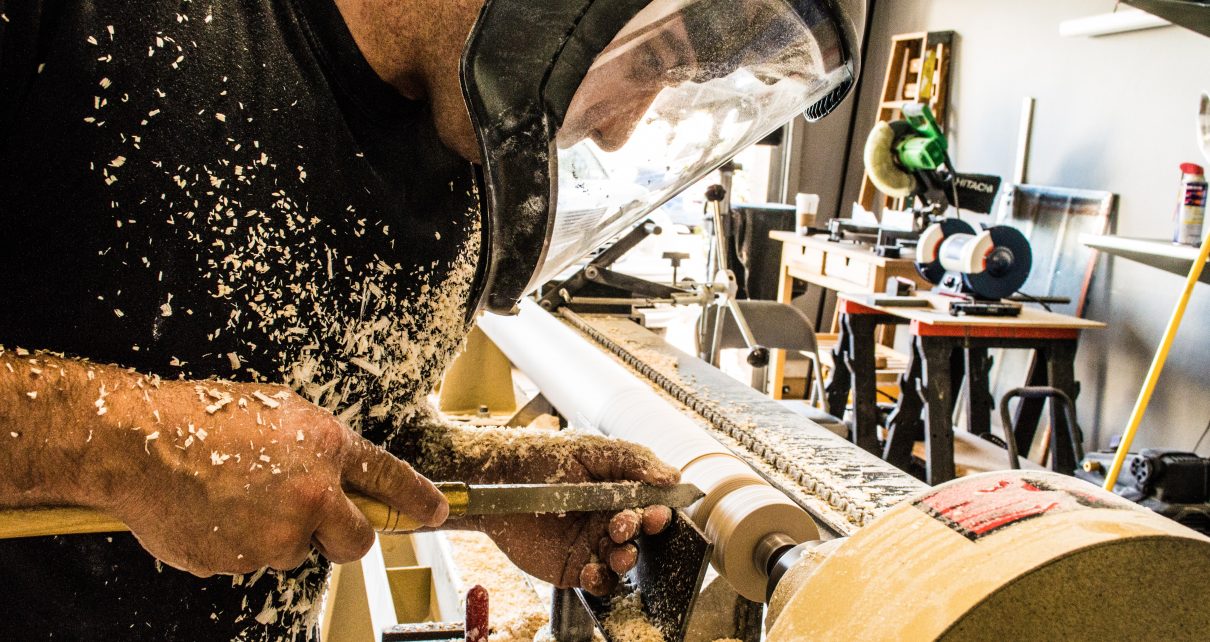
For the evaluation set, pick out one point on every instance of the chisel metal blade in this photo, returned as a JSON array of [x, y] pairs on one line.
[[509, 499]]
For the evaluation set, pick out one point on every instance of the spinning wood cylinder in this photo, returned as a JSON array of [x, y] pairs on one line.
[[740, 511]]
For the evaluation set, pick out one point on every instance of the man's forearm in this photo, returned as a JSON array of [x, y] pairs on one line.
[[54, 428]]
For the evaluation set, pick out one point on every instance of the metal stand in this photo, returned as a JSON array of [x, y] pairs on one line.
[[597, 288], [724, 287], [570, 620], [1065, 438]]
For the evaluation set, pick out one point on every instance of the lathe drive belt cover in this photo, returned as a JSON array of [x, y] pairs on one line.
[[1008, 556]]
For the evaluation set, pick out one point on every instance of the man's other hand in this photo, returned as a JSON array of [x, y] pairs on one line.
[[588, 550], [229, 478]]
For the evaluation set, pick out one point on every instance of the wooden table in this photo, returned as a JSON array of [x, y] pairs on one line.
[[942, 346], [844, 268]]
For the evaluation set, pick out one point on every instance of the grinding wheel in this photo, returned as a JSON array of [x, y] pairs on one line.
[[993, 279], [1008, 555]]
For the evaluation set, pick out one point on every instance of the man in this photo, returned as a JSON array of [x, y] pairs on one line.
[[218, 191], [263, 214]]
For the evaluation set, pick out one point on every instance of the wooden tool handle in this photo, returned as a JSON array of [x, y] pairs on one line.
[[57, 520], [70, 520]]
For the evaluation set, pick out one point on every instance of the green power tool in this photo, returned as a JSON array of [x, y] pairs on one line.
[[910, 157]]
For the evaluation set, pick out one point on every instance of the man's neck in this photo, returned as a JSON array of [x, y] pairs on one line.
[[392, 41], [415, 46]]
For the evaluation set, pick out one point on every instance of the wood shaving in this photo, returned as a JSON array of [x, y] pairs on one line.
[[218, 405], [266, 399], [148, 439]]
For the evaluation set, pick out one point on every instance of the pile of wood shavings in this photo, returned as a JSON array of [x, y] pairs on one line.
[[628, 623], [517, 611]]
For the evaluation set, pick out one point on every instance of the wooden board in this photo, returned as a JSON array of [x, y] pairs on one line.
[[938, 315]]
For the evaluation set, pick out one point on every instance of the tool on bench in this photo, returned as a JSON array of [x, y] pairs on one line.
[[985, 267], [464, 500], [909, 158]]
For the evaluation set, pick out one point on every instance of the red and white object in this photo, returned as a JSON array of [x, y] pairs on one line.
[[476, 623], [1191, 209]]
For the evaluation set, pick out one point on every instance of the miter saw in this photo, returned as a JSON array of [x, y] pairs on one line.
[[910, 158]]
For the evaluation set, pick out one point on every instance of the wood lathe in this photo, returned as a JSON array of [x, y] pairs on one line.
[[840, 544]]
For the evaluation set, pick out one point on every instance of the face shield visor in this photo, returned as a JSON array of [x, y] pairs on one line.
[[637, 101]]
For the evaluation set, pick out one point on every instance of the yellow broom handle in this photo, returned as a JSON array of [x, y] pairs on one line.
[[1157, 365]]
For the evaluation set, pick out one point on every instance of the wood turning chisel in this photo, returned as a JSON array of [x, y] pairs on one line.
[[464, 499]]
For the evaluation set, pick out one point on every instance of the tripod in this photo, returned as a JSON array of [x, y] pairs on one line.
[[723, 285]]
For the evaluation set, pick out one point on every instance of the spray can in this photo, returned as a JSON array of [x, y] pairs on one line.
[[1191, 210]]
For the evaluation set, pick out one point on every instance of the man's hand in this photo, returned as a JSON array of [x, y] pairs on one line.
[[588, 550], [211, 477]]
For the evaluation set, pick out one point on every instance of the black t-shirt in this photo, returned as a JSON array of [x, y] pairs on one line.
[[216, 188]]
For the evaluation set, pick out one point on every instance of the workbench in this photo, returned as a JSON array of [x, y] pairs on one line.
[[943, 346], [843, 268]]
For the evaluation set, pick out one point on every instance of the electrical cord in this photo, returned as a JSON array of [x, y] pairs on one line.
[[957, 205], [1034, 299], [954, 189], [1199, 439]]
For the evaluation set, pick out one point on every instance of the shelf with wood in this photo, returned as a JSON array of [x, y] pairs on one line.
[[902, 83]]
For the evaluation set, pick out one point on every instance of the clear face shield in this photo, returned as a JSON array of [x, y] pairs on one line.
[[681, 89], [661, 99]]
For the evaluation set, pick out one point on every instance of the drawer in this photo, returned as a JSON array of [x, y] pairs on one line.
[[810, 260], [849, 269]]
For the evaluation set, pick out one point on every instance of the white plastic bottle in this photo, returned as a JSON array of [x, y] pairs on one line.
[[1191, 211]]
